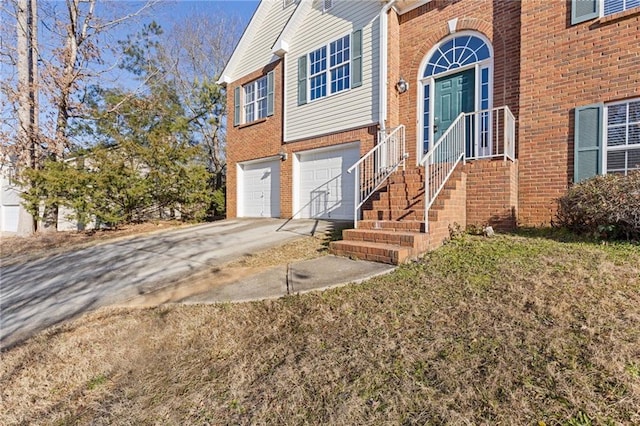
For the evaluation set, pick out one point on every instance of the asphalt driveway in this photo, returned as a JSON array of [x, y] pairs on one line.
[[47, 291]]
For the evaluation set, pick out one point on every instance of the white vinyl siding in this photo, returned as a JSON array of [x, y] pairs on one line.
[[259, 52], [355, 107]]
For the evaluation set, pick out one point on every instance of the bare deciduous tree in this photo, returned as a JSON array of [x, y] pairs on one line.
[[194, 54]]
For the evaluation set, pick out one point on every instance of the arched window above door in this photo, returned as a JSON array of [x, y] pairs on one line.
[[455, 53]]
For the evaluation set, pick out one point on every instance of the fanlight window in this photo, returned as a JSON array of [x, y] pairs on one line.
[[456, 53]]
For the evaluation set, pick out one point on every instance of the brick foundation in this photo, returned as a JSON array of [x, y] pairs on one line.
[[492, 193]]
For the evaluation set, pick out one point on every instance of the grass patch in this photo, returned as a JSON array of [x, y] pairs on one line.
[[507, 330]]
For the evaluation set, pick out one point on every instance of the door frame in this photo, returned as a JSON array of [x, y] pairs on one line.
[[423, 81]]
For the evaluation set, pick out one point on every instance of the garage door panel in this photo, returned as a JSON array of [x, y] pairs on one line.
[[326, 189], [10, 215], [260, 193]]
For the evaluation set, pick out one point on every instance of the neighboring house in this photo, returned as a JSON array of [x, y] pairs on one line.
[[495, 107], [9, 201]]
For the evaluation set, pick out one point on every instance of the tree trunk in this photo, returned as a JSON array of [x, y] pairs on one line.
[[26, 97]]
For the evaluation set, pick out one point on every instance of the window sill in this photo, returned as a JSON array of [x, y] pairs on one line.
[[253, 123], [606, 20]]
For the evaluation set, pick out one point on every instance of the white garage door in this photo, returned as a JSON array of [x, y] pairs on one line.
[[10, 218], [325, 187], [259, 189]]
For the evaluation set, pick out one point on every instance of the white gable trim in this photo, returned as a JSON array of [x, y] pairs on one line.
[[249, 33], [281, 46]]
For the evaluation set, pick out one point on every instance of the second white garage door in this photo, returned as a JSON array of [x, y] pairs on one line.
[[326, 190], [259, 189]]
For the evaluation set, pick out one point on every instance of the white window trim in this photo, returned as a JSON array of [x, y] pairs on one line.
[[255, 101], [601, 13], [605, 133], [488, 63], [328, 69]]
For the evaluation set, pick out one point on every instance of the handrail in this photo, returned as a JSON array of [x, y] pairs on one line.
[[492, 134], [441, 160], [377, 165]]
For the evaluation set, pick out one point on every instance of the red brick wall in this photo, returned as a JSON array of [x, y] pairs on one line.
[[452, 214], [492, 193], [421, 29], [264, 138], [563, 67]]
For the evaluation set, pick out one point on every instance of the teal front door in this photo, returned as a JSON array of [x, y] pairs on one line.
[[454, 94]]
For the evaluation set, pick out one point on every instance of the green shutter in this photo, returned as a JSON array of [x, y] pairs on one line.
[[302, 80], [584, 10], [236, 106], [356, 59], [587, 142], [270, 90]]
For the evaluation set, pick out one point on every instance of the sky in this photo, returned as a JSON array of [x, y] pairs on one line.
[[175, 10]]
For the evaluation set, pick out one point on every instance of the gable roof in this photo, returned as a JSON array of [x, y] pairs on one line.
[[281, 45], [258, 20]]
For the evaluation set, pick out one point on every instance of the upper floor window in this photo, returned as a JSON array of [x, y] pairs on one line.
[[254, 100], [584, 10], [327, 4], [330, 75], [332, 68]]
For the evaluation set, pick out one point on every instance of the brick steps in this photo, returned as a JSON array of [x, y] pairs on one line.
[[375, 252], [392, 225]]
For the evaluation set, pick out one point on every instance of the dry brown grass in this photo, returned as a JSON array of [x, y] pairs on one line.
[[503, 331], [40, 244]]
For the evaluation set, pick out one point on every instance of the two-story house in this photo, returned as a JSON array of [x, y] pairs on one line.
[[411, 116]]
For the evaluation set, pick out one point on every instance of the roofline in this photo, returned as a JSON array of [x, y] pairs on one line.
[[258, 15], [282, 43]]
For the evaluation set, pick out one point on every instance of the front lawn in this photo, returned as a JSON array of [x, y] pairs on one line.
[[507, 330]]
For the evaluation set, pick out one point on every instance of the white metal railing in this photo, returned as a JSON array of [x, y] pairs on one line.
[[487, 133], [491, 133], [440, 162], [377, 165]]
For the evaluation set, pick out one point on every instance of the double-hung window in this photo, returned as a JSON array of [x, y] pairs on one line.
[[607, 139], [610, 7], [330, 75], [332, 68], [623, 137], [254, 100], [584, 10], [318, 73]]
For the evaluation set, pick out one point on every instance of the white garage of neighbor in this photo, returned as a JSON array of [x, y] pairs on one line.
[[9, 206], [259, 188], [322, 187]]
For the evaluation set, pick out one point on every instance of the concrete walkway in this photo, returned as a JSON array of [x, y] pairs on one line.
[[249, 284], [47, 291]]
